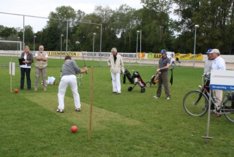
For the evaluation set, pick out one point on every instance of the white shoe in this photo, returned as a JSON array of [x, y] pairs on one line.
[[168, 98], [59, 110], [155, 97]]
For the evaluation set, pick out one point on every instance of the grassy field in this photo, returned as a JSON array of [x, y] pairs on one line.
[[132, 124]]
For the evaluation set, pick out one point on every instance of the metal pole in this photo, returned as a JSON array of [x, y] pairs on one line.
[[137, 43], [140, 39], [101, 38], [61, 42], [23, 30], [67, 36], [207, 137], [91, 105], [61, 45], [194, 47], [34, 37], [18, 44], [77, 43], [94, 34]]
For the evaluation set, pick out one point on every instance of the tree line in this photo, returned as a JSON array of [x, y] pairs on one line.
[[120, 28]]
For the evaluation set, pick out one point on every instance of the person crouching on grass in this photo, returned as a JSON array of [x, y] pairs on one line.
[[68, 77], [115, 62]]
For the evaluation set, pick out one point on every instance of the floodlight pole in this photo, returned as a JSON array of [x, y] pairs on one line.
[[67, 36], [94, 34], [101, 32], [23, 30], [140, 39], [34, 38], [61, 44], [137, 41], [194, 46], [100, 37], [77, 43], [18, 45]]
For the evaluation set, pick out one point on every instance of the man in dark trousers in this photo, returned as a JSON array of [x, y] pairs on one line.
[[163, 66]]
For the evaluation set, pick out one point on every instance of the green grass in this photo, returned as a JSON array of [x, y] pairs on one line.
[[128, 125]]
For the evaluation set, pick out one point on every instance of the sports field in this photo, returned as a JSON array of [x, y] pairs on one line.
[[132, 124]]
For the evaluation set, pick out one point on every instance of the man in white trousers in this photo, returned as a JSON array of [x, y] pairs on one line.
[[69, 71], [115, 62]]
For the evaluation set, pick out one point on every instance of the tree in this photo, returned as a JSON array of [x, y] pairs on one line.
[[214, 18], [156, 25], [57, 25]]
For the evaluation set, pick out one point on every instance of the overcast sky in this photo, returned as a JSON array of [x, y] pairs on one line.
[[44, 7]]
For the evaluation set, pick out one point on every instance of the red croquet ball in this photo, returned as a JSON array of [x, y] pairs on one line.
[[74, 128], [16, 90]]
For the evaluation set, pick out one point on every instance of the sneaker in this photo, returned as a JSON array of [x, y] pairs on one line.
[[155, 97], [77, 109], [60, 111], [218, 112], [168, 98]]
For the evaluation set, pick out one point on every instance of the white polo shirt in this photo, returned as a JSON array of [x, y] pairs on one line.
[[218, 64]]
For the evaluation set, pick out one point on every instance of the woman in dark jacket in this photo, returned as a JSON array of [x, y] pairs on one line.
[[26, 58]]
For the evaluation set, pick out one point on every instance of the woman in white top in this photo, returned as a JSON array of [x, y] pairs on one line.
[[115, 62], [25, 67]]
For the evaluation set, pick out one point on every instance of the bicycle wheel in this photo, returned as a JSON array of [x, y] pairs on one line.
[[228, 110], [195, 103]]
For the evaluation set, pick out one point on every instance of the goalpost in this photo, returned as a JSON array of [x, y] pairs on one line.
[[10, 48]]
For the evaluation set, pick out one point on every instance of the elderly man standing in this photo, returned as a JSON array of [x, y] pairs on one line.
[[218, 63], [115, 62], [41, 57]]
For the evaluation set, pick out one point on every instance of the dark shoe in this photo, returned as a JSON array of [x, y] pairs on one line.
[[218, 112], [60, 111], [77, 109]]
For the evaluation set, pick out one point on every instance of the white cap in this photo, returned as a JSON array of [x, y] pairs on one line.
[[215, 51]]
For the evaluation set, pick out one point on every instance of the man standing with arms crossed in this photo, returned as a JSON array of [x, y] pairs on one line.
[[41, 64]]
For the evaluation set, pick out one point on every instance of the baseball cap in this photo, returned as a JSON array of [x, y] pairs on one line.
[[208, 51], [163, 51], [215, 51]]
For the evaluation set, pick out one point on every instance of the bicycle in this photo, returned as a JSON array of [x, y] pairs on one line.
[[196, 102]]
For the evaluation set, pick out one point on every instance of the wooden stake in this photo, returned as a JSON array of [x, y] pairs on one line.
[[91, 105]]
